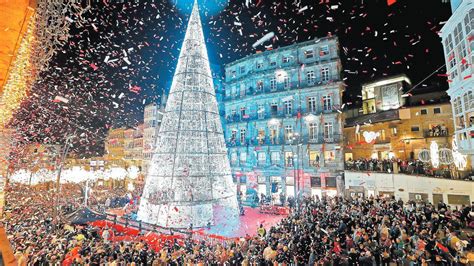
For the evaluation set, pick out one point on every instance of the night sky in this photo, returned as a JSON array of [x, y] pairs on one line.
[[122, 56]]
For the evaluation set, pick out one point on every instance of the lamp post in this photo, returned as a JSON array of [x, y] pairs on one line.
[[58, 178], [294, 139]]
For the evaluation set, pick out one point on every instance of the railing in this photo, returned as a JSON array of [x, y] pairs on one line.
[[436, 133], [143, 226], [268, 141], [416, 168], [269, 115], [281, 87]]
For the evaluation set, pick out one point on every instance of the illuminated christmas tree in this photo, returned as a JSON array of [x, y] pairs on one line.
[[190, 175]]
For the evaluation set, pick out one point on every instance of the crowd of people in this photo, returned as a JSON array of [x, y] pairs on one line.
[[328, 231], [411, 167]]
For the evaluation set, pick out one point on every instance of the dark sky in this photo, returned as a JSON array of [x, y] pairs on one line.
[[142, 40]]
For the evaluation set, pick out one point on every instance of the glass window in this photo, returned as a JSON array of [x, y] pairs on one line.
[[323, 50], [328, 130], [260, 85], [233, 135], [424, 111], [261, 111], [437, 110], [313, 131], [233, 158], [242, 70], [310, 77], [288, 107], [458, 35], [242, 135], [288, 158], [286, 82], [261, 156], [309, 54], [325, 74], [275, 157], [259, 65], [288, 131], [327, 103], [273, 63], [329, 156], [242, 112], [314, 158], [415, 128], [285, 59], [312, 104], [243, 157], [273, 84], [274, 109]]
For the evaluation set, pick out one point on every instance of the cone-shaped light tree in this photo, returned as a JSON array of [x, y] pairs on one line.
[[189, 181]]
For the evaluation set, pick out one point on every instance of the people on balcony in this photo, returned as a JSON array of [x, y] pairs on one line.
[[438, 131], [411, 167]]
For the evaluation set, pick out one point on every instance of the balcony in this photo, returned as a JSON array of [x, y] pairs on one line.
[[436, 133]]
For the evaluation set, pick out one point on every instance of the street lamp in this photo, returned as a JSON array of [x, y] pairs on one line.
[[63, 155]]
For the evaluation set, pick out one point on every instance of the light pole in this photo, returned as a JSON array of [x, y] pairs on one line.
[[294, 137], [58, 179]]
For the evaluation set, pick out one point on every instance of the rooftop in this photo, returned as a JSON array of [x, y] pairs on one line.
[[292, 46]]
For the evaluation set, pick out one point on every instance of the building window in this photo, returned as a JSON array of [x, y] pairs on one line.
[[242, 135], [260, 85], [286, 82], [314, 158], [259, 65], [329, 156], [273, 63], [310, 77], [328, 130], [233, 136], [309, 54], [325, 74], [424, 111], [312, 104], [313, 131], [288, 158], [448, 44], [261, 136], [394, 131], [261, 158], [468, 100], [415, 128], [327, 103], [243, 157], [288, 107], [273, 84], [458, 35], [437, 110], [233, 158], [288, 131], [261, 111], [285, 59], [323, 50], [233, 73], [242, 112], [242, 70], [275, 157], [274, 109], [462, 52]]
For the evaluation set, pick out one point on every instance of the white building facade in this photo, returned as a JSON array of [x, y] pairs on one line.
[[457, 37]]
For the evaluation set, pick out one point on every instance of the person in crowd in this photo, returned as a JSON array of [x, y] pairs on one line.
[[325, 231]]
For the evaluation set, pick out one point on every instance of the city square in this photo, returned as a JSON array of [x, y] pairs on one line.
[[222, 132]]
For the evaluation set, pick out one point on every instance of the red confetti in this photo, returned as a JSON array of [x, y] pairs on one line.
[[391, 2]]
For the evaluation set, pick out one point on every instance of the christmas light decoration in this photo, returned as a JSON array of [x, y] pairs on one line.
[[424, 155], [459, 159], [370, 136], [434, 154], [190, 175], [445, 156]]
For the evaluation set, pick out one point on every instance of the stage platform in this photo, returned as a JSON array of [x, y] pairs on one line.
[[232, 228]]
